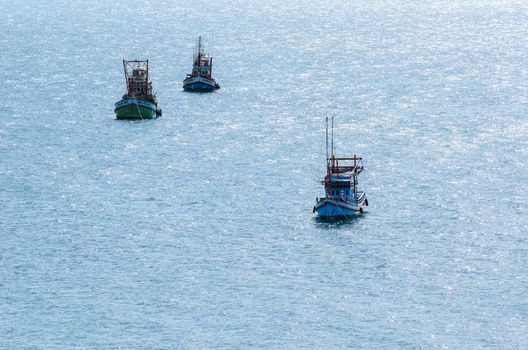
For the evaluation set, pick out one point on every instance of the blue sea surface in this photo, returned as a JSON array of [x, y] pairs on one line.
[[195, 230]]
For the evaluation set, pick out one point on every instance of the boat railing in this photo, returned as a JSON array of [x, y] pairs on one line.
[[341, 169], [333, 166]]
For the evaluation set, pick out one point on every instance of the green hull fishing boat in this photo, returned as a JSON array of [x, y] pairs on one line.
[[139, 102]]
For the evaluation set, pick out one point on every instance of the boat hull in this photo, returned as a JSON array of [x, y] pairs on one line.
[[200, 84], [334, 208], [131, 108]]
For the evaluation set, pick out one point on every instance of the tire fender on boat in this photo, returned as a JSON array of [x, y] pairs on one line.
[[366, 202], [313, 210]]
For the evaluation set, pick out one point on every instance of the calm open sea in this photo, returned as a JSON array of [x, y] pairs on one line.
[[195, 230]]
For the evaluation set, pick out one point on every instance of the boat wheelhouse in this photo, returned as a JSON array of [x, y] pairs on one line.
[[201, 80], [342, 197], [139, 102]]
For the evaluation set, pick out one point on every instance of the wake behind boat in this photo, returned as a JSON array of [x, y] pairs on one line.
[[342, 198], [201, 80], [139, 102]]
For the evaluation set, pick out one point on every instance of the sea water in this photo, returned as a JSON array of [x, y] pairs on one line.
[[195, 230]]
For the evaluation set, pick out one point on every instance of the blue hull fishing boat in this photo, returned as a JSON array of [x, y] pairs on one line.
[[342, 198], [201, 80]]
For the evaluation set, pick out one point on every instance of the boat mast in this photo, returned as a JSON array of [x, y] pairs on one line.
[[199, 48], [333, 151], [147, 81], [355, 177], [126, 76], [328, 178], [327, 157]]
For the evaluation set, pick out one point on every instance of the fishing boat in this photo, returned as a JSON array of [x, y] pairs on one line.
[[201, 80], [139, 102], [342, 198]]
